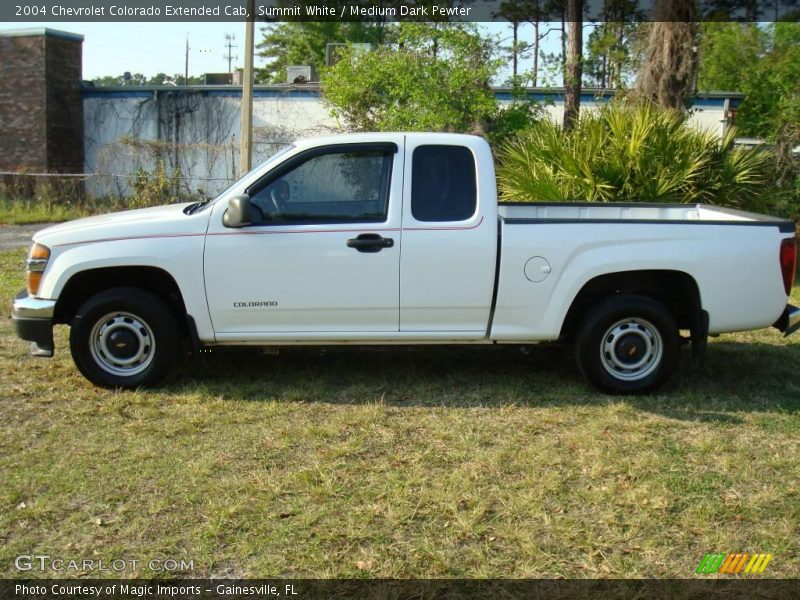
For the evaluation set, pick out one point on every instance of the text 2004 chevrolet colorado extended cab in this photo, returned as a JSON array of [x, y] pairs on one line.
[[399, 239]]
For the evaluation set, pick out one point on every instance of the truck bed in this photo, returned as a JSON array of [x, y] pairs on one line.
[[731, 255], [621, 212]]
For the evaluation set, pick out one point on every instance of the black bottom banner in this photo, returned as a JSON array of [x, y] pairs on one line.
[[395, 589]]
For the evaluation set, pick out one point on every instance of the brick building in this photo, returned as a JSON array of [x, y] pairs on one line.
[[41, 110]]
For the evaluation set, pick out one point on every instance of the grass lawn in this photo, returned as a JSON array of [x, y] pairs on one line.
[[431, 462], [21, 213]]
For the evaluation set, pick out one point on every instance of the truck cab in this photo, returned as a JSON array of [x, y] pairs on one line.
[[337, 243]]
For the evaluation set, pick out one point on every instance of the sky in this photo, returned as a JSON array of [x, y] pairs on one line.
[[150, 48]]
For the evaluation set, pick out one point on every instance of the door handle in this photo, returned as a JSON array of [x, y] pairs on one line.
[[370, 242]]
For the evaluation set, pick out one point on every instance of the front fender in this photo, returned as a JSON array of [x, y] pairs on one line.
[[180, 256]]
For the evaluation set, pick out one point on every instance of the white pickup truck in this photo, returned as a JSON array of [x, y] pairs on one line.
[[398, 238]]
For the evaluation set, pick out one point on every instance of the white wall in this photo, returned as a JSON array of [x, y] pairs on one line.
[[198, 133]]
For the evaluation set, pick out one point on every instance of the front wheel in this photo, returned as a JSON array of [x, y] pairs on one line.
[[628, 344], [124, 337]]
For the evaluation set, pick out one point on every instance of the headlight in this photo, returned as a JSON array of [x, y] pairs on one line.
[[35, 264]]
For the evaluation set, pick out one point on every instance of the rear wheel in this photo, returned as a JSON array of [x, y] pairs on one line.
[[124, 337], [628, 344]]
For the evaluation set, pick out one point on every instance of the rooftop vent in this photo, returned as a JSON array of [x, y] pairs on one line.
[[300, 74]]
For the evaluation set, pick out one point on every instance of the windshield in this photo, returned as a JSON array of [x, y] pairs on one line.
[[259, 167]]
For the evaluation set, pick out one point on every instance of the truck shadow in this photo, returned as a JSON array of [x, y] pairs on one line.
[[736, 377]]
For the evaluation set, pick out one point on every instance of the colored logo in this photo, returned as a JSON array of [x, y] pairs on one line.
[[741, 562]]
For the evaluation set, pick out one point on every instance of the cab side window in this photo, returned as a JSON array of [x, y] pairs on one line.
[[443, 186], [333, 187]]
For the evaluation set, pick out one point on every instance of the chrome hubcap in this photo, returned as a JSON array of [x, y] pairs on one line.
[[631, 349], [122, 344]]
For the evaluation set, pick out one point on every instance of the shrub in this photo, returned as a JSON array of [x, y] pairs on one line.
[[518, 115], [634, 153], [153, 189], [436, 79]]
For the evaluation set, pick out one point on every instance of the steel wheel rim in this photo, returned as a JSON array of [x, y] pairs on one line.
[[631, 349], [123, 328]]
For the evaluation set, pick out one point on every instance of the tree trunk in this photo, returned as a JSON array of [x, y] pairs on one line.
[[563, 44], [618, 50], [574, 67], [667, 74], [515, 49], [535, 72], [604, 71]]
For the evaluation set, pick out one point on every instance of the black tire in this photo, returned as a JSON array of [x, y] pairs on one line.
[[142, 329], [622, 332]]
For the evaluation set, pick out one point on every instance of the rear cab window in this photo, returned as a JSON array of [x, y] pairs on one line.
[[443, 186]]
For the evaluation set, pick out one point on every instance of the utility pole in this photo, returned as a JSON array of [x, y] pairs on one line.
[[229, 39], [246, 134], [186, 63]]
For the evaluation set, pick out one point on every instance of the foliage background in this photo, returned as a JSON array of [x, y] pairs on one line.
[[637, 153]]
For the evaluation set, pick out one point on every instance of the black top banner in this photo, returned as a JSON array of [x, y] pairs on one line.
[[396, 10]]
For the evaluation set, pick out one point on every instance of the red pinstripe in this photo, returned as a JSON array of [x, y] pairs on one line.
[[263, 232]]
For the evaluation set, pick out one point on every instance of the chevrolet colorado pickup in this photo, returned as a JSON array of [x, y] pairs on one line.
[[396, 238]]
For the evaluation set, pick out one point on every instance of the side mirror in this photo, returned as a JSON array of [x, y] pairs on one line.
[[241, 212]]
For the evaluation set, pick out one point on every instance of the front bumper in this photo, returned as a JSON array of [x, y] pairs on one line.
[[33, 322], [789, 321]]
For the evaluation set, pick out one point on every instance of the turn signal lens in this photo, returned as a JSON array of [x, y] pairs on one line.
[[39, 252], [34, 280], [36, 263]]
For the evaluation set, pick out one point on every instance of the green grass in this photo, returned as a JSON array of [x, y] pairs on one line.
[[426, 462], [21, 213]]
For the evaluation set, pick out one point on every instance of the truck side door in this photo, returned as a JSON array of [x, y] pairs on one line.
[[323, 263], [449, 237]]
